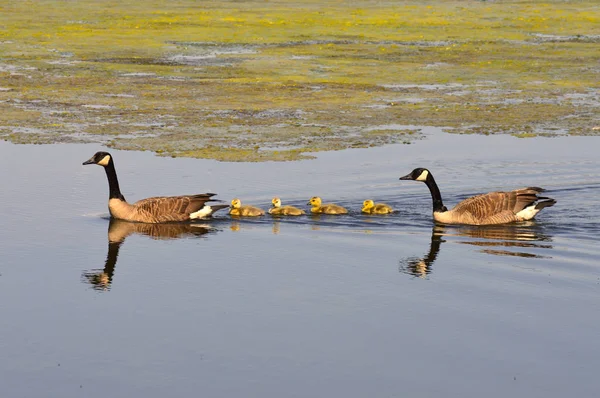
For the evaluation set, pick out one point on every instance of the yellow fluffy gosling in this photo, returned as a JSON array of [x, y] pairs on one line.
[[371, 207], [328, 208], [278, 210], [237, 209]]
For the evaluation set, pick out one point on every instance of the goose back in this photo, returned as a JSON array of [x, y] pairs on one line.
[[496, 208]]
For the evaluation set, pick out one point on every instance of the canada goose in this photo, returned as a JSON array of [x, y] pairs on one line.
[[327, 208], [278, 210], [236, 209], [152, 210], [490, 208], [371, 207]]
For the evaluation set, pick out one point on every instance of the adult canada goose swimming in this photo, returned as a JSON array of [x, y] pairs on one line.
[[278, 210], [370, 207], [490, 208], [327, 208], [158, 209], [236, 209]]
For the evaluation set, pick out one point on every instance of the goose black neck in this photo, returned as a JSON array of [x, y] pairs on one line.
[[111, 259], [438, 205], [113, 182]]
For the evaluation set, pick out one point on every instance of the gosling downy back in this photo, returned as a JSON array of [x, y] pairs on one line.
[[160, 209], [490, 208], [370, 207], [317, 207], [236, 209], [278, 210]]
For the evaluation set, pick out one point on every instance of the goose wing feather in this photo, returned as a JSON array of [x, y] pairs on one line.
[[497, 207], [169, 208]]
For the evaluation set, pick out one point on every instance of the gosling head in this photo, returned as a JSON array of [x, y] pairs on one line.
[[236, 203], [99, 158], [276, 202], [368, 204], [314, 201], [418, 174]]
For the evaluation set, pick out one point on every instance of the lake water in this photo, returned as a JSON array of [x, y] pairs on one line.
[[347, 306]]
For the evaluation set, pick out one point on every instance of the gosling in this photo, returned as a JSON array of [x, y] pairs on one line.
[[278, 210], [370, 207], [328, 208], [237, 209]]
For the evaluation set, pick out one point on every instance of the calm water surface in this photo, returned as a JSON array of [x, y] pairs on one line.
[[348, 306]]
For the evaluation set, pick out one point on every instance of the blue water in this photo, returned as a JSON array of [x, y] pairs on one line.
[[347, 306]]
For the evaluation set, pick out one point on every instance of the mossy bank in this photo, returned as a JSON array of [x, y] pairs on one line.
[[256, 80]]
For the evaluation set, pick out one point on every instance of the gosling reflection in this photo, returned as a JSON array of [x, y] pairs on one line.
[[515, 240], [276, 227], [118, 231]]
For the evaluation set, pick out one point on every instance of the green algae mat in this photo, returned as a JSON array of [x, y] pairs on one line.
[[273, 80]]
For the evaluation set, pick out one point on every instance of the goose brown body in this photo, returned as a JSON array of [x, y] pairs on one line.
[[279, 210], [325, 208], [492, 208], [160, 209], [486, 209]]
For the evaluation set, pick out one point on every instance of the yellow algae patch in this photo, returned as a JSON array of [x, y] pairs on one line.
[[233, 80]]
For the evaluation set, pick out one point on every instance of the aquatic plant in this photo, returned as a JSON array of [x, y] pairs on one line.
[[233, 80]]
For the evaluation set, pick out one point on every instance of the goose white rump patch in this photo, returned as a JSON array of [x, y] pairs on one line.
[[528, 213], [203, 212]]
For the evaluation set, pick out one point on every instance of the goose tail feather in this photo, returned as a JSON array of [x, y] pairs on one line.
[[546, 203]]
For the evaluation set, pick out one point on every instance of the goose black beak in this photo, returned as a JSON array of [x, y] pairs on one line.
[[89, 161], [407, 177], [308, 202]]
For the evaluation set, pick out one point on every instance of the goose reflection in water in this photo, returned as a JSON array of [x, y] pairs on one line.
[[518, 240], [119, 230]]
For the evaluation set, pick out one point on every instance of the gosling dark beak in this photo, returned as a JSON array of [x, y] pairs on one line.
[[407, 177], [90, 161], [308, 202]]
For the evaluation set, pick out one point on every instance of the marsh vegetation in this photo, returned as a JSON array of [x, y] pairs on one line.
[[273, 80]]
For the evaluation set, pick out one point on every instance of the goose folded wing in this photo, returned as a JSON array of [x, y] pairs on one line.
[[485, 205], [166, 208], [493, 203]]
